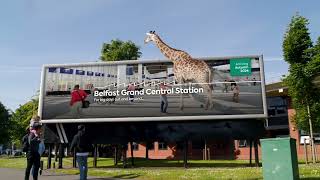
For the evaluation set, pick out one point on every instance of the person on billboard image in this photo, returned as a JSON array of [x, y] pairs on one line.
[[163, 98], [78, 96], [225, 86], [131, 88], [236, 90]]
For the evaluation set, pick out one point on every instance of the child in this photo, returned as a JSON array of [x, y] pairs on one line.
[[35, 120]]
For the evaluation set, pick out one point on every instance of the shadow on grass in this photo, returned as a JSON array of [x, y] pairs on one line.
[[141, 162]]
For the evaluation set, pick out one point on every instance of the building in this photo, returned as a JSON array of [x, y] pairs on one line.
[[279, 124]]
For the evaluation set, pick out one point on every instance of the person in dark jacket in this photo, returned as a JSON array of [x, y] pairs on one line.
[[82, 147], [33, 156]]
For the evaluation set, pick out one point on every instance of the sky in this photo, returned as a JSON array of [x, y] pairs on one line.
[[37, 32]]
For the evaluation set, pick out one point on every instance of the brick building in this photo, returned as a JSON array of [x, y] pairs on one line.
[[278, 124]]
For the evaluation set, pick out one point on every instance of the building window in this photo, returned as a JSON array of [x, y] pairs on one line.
[[135, 146], [151, 146], [162, 146], [242, 143]]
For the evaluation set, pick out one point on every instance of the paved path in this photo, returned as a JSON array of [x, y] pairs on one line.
[[16, 174]]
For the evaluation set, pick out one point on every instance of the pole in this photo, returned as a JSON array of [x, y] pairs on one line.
[[305, 150], [74, 162], [61, 148], [147, 150], [116, 155], [250, 142], [256, 154], [95, 156], [205, 150], [185, 156], [311, 136], [49, 156], [131, 150]]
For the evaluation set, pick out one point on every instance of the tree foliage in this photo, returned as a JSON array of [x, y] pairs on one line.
[[119, 50], [4, 124], [304, 63], [20, 119], [297, 41]]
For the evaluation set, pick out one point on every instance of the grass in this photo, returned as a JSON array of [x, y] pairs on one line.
[[167, 169]]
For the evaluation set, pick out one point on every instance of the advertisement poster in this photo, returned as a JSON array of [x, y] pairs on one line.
[[145, 89]]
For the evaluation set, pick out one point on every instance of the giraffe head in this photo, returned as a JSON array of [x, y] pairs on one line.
[[151, 36]]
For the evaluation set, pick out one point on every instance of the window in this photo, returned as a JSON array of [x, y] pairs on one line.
[[135, 146], [277, 106], [150, 146], [242, 143], [162, 146]]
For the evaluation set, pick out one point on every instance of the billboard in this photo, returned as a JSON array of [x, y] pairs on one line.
[[154, 90]]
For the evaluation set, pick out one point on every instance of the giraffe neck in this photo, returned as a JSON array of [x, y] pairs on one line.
[[166, 50]]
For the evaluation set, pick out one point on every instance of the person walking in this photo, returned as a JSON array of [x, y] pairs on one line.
[[33, 153], [225, 86], [236, 91], [77, 97], [131, 88], [82, 147], [163, 98]]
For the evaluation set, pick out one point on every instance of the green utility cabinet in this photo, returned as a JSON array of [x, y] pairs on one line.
[[279, 159]]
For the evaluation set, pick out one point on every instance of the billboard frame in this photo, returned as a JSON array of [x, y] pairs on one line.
[[146, 119]]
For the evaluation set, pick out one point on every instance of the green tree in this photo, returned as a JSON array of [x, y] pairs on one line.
[[297, 41], [304, 66], [119, 50], [20, 119], [4, 125]]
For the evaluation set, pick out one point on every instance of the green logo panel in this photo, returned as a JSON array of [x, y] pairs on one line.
[[240, 67]]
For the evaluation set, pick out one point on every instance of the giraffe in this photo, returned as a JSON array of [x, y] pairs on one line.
[[185, 68]]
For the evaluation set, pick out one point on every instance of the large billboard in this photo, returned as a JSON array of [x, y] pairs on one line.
[[154, 90]]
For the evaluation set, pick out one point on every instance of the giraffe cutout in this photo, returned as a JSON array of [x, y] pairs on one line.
[[185, 68]]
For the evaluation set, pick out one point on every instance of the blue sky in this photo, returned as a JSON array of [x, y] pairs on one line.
[[37, 32]]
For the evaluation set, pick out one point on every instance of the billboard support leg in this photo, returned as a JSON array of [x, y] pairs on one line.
[[95, 154], [55, 152], [74, 162], [250, 153], [49, 156], [61, 151], [256, 154], [147, 151], [116, 155], [124, 155], [185, 154], [131, 151]]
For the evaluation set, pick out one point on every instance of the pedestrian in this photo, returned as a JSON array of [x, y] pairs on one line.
[[163, 98], [131, 88], [254, 81], [225, 86], [78, 96], [235, 89], [33, 154], [82, 147]]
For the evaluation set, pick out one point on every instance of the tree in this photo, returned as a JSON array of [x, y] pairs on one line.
[[119, 50], [299, 53], [20, 119], [4, 125], [297, 41], [304, 63]]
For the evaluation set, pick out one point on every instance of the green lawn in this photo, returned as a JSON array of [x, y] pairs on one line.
[[168, 169]]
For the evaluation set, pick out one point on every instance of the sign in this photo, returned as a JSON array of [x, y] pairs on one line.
[[154, 94], [240, 67]]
